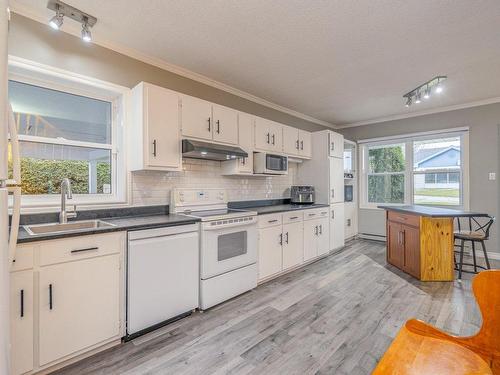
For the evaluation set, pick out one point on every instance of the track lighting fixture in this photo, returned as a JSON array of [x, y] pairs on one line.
[[86, 35], [64, 10], [434, 85], [57, 21]]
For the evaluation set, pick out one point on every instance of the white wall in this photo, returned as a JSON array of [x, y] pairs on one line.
[[151, 187]]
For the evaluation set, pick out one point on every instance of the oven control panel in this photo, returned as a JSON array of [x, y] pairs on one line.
[[198, 197]]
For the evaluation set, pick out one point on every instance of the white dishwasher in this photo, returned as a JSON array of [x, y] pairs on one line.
[[162, 276]]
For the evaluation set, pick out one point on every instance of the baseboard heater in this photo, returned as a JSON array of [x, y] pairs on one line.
[[373, 237]]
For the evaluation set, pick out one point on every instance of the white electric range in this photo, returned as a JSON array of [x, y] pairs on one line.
[[228, 243]]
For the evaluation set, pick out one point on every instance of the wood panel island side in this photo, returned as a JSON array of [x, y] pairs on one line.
[[420, 240]]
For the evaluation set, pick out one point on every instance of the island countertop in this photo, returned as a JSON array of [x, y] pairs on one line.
[[431, 211]]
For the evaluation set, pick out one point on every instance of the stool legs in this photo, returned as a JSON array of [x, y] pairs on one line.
[[474, 255], [485, 255], [462, 242]]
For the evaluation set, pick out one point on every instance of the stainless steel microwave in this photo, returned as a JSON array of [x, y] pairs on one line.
[[265, 163]]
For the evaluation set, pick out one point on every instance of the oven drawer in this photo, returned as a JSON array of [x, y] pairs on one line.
[[270, 220]]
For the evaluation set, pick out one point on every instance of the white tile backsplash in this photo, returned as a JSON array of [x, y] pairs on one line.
[[152, 187]]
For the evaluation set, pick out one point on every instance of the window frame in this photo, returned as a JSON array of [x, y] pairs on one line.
[[32, 73], [409, 173]]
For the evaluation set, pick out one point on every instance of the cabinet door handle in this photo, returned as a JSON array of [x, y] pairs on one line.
[[286, 239], [333, 193], [316, 230], [243, 161], [154, 148], [272, 221], [22, 303], [333, 214], [301, 145], [294, 217], [85, 249], [281, 238], [218, 127], [402, 238], [332, 146], [297, 144], [321, 229], [50, 297], [273, 139], [209, 124], [311, 215], [268, 138]]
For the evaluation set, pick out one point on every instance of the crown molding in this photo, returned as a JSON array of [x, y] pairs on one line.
[[421, 113], [73, 29]]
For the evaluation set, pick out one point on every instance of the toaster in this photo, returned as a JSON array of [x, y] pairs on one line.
[[302, 194]]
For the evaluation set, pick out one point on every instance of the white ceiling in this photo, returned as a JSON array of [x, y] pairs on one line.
[[338, 61]]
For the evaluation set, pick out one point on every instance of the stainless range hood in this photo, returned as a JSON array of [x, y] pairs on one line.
[[210, 151]]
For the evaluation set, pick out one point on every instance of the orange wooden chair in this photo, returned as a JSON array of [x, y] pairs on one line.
[[485, 343]]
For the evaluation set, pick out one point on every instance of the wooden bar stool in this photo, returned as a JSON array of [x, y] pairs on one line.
[[478, 232]]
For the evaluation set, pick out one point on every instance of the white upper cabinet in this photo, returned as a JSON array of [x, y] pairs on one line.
[[245, 131], [305, 148], [336, 145], [154, 137], [291, 142], [225, 127], [268, 135], [196, 118], [296, 142]]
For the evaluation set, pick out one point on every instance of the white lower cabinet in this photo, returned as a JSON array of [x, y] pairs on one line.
[[293, 252], [79, 306], [337, 229], [270, 254], [67, 298], [288, 240], [21, 321]]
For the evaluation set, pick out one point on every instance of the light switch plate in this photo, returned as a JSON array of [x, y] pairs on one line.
[[492, 176]]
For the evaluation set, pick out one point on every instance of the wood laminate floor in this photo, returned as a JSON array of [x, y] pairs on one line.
[[335, 316]]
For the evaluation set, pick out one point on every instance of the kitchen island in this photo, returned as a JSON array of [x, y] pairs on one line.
[[420, 240]]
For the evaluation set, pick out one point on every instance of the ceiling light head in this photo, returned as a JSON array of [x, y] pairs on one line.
[[86, 35], [56, 22], [417, 98], [427, 93], [439, 88], [408, 102]]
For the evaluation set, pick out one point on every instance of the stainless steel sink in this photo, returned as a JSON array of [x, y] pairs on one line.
[[73, 226]]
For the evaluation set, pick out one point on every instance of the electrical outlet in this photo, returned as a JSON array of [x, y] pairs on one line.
[[492, 176]]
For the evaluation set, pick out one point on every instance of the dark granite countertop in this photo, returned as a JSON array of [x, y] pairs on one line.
[[147, 219], [431, 211], [284, 208]]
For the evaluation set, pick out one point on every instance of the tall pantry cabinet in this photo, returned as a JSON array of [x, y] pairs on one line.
[[325, 171]]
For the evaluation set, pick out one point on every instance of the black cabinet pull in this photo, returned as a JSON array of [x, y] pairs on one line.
[[294, 217], [301, 145], [22, 303], [273, 139], [268, 138], [86, 249], [286, 239], [50, 296], [281, 238], [297, 144], [316, 230], [321, 229], [272, 221], [218, 127], [209, 127], [154, 148]]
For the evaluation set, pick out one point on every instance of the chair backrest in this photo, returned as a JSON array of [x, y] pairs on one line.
[[486, 287], [479, 224]]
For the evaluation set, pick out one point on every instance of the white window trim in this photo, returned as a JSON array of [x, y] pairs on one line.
[[30, 72], [407, 139]]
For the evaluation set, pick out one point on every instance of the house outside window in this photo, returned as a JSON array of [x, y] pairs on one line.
[[68, 130], [425, 169]]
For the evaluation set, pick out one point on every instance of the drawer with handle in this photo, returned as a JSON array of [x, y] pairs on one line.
[[315, 213], [293, 216], [270, 220], [397, 217], [76, 248]]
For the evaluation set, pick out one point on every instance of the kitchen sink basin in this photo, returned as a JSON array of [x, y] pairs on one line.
[[73, 226]]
